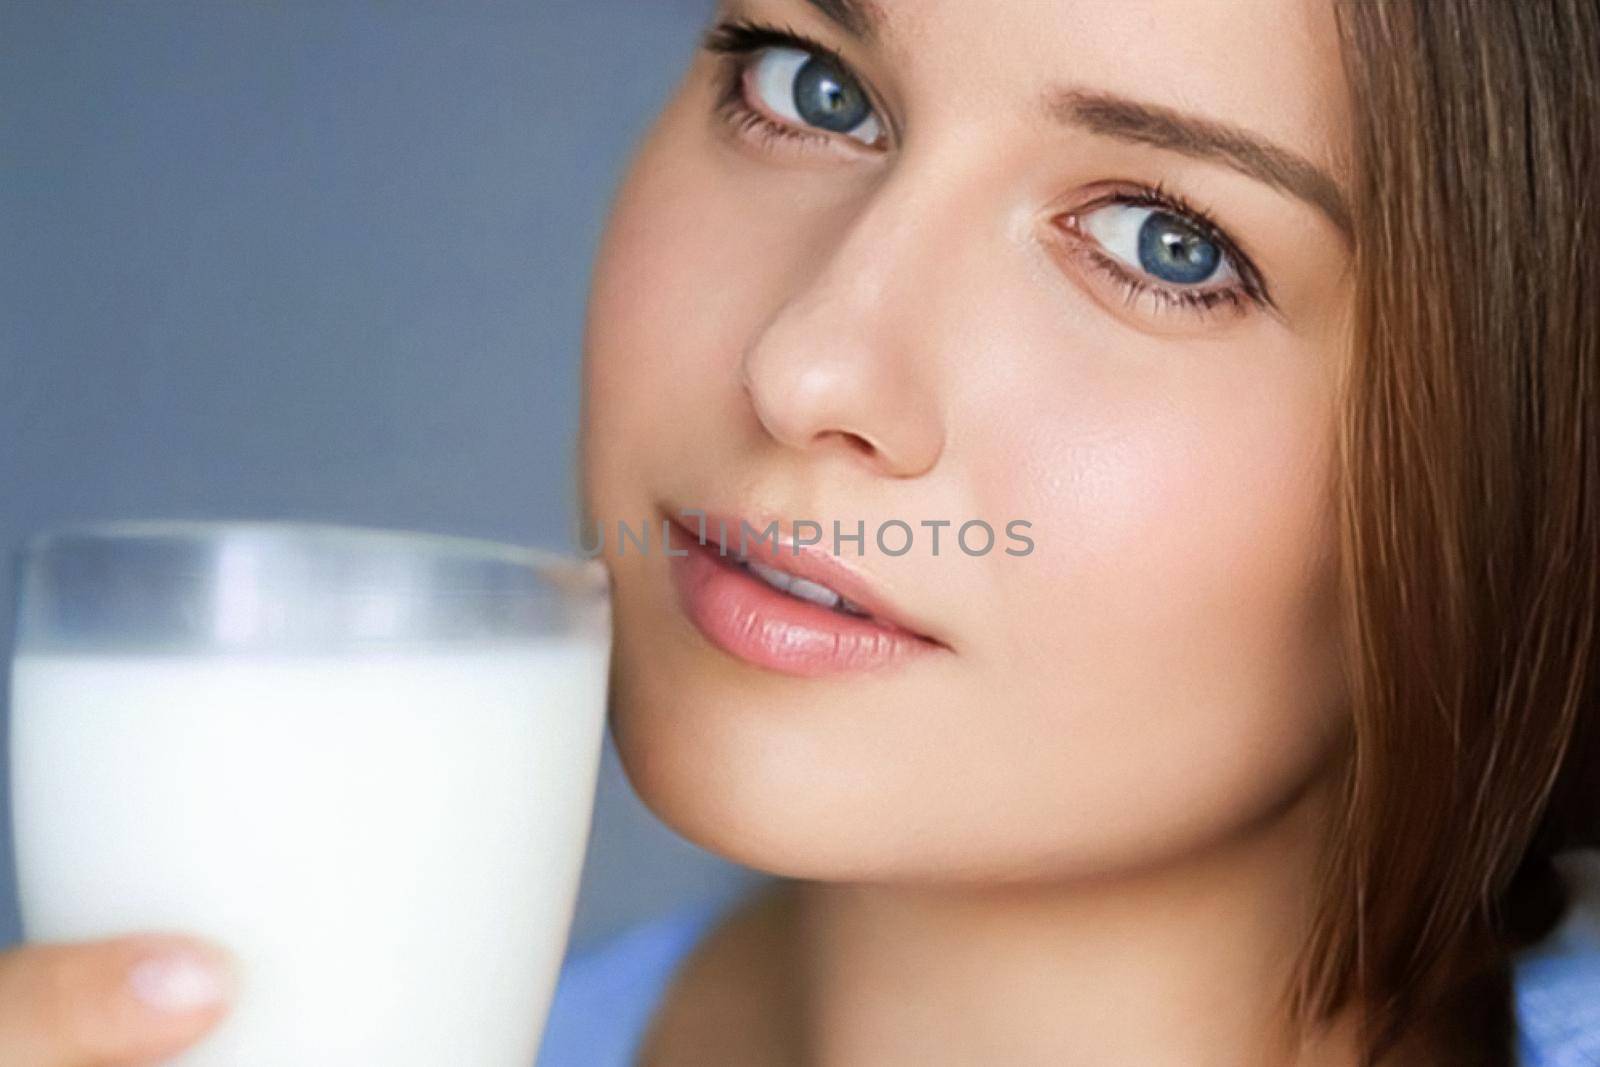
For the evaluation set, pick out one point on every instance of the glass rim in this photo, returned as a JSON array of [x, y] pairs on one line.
[[575, 574]]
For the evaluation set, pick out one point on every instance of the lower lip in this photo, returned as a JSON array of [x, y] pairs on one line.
[[749, 619]]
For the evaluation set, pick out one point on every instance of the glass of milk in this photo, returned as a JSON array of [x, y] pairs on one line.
[[363, 761]]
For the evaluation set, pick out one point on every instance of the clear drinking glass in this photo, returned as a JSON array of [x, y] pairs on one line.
[[363, 761]]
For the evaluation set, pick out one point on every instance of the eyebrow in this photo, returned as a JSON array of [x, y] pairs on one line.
[[1161, 127], [859, 18], [1201, 138]]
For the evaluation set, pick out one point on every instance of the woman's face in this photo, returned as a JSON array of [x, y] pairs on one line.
[[1078, 264]]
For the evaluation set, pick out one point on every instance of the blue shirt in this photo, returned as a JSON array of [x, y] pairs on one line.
[[1557, 982], [608, 992]]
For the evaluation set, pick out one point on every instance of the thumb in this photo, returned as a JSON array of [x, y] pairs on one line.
[[109, 1002]]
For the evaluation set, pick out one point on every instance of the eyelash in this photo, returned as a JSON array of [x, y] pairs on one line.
[[737, 40], [1249, 291]]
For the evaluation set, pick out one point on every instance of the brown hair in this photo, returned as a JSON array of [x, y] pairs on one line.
[[1469, 505]]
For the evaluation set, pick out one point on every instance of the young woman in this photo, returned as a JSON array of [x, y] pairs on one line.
[[1277, 322], [1262, 338]]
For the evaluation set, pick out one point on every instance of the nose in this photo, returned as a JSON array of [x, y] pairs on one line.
[[840, 368]]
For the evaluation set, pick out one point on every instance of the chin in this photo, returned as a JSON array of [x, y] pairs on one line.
[[697, 760], [738, 762]]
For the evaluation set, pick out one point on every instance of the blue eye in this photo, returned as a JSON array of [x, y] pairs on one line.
[[1158, 243], [1175, 252], [808, 90]]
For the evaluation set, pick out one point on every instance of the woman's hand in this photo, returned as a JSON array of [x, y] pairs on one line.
[[98, 1004]]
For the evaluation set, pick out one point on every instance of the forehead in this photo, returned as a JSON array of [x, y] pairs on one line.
[[1271, 66]]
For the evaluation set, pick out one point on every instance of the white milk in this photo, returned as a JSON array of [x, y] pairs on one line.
[[390, 843]]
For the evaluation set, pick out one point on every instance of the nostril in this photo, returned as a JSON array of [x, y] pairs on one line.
[[856, 442]]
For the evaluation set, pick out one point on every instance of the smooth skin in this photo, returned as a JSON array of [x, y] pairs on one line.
[[1084, 832]]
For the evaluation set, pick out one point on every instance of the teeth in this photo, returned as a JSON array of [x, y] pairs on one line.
[[771, 575], [817, 594], [802, 588]]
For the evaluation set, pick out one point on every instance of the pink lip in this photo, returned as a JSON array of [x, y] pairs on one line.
[[749, 619]]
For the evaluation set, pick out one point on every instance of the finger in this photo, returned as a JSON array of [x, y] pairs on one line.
[[109, 1002]]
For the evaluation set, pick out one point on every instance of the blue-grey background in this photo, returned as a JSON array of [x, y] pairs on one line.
[[321, 260]]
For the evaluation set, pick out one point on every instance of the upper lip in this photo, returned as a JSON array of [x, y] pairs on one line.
[[810, 562]]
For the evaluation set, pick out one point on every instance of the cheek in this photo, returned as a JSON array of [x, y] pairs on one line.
[[687, 274], [648, 331], [1173, 637]]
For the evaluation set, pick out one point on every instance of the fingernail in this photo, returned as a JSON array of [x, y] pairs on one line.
[[178, 983]]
